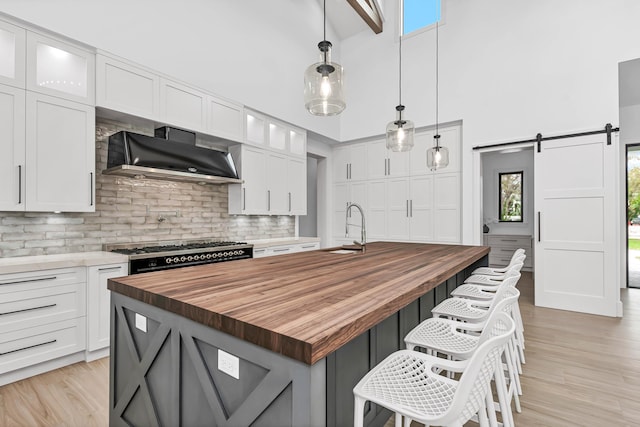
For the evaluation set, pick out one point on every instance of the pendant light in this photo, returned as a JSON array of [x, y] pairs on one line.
[[400, 132], [437, 156], [324, 80]]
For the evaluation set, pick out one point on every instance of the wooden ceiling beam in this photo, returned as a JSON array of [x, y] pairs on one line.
[[368, 11]]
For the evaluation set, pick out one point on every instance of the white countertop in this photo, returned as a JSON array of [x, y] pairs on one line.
[[267, 243], [46, 262]]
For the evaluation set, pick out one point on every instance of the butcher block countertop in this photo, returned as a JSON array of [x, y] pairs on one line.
[[303, 305]]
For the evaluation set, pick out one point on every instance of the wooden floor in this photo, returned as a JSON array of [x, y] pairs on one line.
[[581, 370]]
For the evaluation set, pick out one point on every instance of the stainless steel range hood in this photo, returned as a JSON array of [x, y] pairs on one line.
[[141, 156]]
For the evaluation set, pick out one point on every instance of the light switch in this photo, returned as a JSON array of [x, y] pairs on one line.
[[141, 322], [229, 364]]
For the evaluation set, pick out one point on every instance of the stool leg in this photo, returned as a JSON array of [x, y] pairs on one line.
[[358, 412]]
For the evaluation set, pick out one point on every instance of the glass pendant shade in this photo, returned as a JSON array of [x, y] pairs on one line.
[[437, 157], [400, 133], [323, 85]]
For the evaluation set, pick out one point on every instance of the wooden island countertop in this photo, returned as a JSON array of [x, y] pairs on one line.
[[304, 305]]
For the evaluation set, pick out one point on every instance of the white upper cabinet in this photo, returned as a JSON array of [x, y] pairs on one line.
[[255, 128], [123, 87], [59, 69], [298, 142], [12, 148], [12, 54], [382, 162], [182, 106], [264, 131], [60, 160], [297, 186], [350, 162], [224, 119]]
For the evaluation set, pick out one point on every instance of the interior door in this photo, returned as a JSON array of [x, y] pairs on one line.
[[575, 235]]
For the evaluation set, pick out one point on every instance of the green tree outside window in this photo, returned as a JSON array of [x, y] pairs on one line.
[[510, 195]]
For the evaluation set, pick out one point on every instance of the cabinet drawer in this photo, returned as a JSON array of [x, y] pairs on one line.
[[503, 252], [308, 246], [280, 250], [33, 307], [17, 282], [510, 242], [19, 349]]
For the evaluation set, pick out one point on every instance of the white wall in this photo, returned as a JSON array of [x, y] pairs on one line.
[[495, 163], [251, 51], [508, 69]]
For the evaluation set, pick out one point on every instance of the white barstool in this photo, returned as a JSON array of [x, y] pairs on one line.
[[496, 271], [458, 341], [406, 382]]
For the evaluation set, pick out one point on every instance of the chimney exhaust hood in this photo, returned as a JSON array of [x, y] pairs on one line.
[[141, 156]]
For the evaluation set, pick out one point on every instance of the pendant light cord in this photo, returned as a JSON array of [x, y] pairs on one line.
[[400, 73], [437, 77]]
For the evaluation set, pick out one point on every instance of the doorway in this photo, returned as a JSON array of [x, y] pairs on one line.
[[633, 215]]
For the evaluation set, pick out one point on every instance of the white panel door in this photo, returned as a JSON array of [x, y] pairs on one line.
[[341, 194], [98, 303], [225, 119], [12, 149], [398, 209], [358, 162], [376, 215], [357, 194], [277, 189], [60, 155], [446, 188], [297, 182], [12, 55], [182, 106], [377, 160], [576, 225], [127, 88], [421, 208], [254, 188]]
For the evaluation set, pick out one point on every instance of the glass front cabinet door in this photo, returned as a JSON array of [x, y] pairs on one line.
[[60, 69]]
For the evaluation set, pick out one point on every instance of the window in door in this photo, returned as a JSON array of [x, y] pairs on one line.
[[510, 196]]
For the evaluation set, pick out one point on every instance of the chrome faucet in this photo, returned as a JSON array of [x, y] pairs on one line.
[[363, 231]]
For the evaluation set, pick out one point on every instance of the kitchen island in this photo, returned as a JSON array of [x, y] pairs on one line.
[[272, 341]]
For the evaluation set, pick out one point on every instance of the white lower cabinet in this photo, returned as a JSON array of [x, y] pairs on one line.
[[273, 183], [98, 303], [504, 245], [42, 317]]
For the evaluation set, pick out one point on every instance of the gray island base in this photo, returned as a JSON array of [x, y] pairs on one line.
[[167, 370]]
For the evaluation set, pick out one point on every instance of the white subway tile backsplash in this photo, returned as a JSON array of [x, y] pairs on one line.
[[130, 210]]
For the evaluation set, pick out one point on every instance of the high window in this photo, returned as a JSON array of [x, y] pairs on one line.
[[510, 196], [417, 14]]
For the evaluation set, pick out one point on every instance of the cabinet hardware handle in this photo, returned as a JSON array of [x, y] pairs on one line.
[[289, 201], [28, 347], [539, 224], [19, 184], [109, 268], [281, 250], [389, 167], [411, 207], [508, 240], [350, 171], [309, 246], [91, 188], [407, 208], [40, 279], [269, 200], [244, 199], [347, 170], [27, 309]]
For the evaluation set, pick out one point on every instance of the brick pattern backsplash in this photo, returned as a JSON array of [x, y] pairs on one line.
[[135, 210]]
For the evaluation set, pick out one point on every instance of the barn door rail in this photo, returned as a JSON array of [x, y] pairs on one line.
[[608, 129]]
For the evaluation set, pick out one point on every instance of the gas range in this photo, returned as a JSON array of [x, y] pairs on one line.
[[155, 256]]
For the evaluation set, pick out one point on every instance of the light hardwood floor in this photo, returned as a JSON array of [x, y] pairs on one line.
[[581, 370]]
